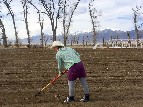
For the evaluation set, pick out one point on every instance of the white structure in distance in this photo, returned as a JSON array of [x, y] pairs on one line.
[[121, 43]]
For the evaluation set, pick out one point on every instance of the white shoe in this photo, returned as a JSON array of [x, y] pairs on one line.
[[69, 99]]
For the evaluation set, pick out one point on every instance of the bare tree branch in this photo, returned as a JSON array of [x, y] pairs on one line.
[[68, 11], [52, 14]]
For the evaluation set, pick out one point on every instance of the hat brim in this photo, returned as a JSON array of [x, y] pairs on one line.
[[53, 46]]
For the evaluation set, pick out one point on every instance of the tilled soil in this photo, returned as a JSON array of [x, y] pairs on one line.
[[114, 76]]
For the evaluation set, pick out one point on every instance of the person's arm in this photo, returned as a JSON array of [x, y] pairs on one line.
[[60, 64]]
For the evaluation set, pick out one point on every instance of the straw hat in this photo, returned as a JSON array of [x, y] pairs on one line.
[[57, 43]]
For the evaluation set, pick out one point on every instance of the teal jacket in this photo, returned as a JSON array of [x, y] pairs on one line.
[[66, 57]]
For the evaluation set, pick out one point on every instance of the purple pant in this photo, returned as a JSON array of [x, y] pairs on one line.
[[76, 71]]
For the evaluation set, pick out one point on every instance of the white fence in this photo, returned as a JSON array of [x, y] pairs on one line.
[[121, 43], [125, 43]]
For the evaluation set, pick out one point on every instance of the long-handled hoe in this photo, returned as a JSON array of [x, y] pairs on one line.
[[51, 82]]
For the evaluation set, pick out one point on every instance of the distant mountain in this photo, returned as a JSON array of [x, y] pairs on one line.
[[107, 34]]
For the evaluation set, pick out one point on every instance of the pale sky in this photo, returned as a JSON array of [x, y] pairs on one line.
[[116, 15]]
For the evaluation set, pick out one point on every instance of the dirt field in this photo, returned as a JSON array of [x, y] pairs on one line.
[[115, 78]]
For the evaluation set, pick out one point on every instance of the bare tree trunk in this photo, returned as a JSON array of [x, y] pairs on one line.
[[94, 36], [136, 29], [136, 16], [42, 34], [129, 37], [83, 40], [64, 19], [71, 40], [94, 31], [17, 39], [25, 7], [3, 34], [103, 42], [54, 35], [13, 19], [53, 30], [40, 22], [46, 41], [27, 29], [94, 14]]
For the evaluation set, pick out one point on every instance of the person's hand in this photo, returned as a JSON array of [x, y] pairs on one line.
[[63, 72]]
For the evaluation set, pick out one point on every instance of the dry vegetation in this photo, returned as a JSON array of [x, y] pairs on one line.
[[115, 78]]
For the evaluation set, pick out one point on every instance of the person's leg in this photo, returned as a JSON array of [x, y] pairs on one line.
[[84, 85], [85, 88], [71, 85]]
